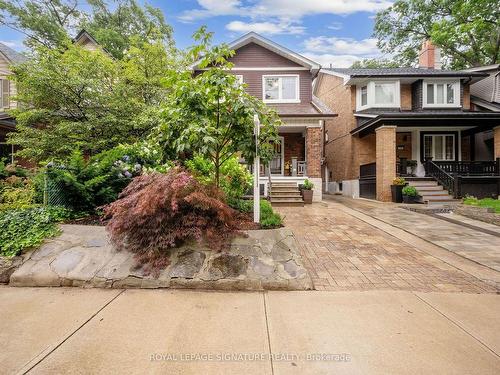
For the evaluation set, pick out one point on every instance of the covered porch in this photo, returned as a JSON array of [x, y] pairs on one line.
[[461, 152]]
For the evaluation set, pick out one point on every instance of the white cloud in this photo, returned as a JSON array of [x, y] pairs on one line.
[[284, 9], [265, 27], [11, 43], [335, 26], [366, 47]]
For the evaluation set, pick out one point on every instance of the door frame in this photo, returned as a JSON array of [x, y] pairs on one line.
[[455, 143]]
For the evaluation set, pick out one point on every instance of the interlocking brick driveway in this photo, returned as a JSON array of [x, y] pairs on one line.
[[343, 252]]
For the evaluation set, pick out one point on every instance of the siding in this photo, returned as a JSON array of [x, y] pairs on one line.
[[4, 73], [253, 55]]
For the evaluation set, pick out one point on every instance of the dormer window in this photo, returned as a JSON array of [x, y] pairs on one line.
[[441, 94], [280, 88], [378, 94]]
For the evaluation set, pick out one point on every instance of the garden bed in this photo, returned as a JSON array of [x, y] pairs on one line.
[[83, 257]]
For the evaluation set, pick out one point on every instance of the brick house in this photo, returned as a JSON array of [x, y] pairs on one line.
[[8, 57], [283, 80], [413, 122]]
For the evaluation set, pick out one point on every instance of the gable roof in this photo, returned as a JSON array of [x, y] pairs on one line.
[[84, 36], [10, 55], [253, 37]]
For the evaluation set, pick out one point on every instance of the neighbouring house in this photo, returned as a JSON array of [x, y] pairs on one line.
[[8, 57], [412, 122], [283, 80]]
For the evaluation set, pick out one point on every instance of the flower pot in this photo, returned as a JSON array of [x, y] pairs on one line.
[[410, 199], [307, 195], [397, 193]]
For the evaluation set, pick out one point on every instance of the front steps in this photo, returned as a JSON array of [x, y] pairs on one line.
[[285, 194], [430, 190]]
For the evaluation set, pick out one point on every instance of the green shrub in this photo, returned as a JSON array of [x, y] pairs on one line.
[[235, 180], [28, 227], [269, 218], [307, 185], [410, 191]]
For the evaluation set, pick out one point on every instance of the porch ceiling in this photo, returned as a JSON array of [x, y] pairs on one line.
[[480, 120]]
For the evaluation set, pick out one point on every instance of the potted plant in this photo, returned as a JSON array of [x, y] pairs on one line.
[[397, 189], [410, 167], [410, 194], [307, 192]]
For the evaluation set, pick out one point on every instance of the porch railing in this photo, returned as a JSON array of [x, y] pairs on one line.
[[471, 168], [442, 176]]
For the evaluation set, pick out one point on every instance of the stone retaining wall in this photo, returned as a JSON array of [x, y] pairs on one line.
[[485, 214]]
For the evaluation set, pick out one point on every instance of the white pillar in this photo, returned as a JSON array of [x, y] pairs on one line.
[[256, 172]]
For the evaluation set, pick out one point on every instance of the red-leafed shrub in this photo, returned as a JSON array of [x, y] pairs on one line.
[[157, 211]]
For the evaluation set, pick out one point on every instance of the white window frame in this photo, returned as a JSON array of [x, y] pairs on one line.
[[370, 91], [443, 135], [456, 93], [280, 100]]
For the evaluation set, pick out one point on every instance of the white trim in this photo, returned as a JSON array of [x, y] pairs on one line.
[[443, 135], [297, 89], [263, 69], [336, 74], [456, 93], [370, 87]]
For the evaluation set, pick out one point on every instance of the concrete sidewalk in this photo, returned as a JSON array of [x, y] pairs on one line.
[[82, 331]]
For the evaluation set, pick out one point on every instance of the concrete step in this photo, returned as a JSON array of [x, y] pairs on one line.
[[286, 199], [437, 198], [284, 186], [419, 178], [431, 188], [285, 194], [422, 183], [287, 204], [284, 189], [433, 192]]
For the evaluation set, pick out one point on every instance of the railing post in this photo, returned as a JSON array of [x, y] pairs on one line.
[[402, 166], [497, 167], [427, 164], [456, 185]]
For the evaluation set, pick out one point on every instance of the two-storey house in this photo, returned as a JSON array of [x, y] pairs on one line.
[[8, 57], [413, 122], [283, 80]]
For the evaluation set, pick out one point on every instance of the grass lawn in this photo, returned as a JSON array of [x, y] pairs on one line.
[[486, 202]]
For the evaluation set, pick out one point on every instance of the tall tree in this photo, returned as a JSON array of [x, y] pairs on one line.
[[47, 22], [467, 31], [116, 24], [211, 114], [374, 63]]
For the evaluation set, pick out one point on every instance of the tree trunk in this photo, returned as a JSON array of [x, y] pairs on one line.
[[217, 170]]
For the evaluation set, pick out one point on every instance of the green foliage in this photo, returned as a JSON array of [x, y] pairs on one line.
[[235, 179], [211, 114], [307, 185], [467, 31], [268, 218], [399, 181], [52, 23], [486, 202], [26, 228], [85, 100], [374, 63], [410, 191]]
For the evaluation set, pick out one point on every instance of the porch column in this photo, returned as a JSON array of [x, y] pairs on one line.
[[496, 135], [385, 148], [313, 158]]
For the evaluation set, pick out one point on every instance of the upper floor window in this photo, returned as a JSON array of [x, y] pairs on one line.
[[381, 94], [441, 94], [280, 88], [4, 93]]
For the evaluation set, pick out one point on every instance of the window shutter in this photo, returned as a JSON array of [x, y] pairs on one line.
[[5, 93]]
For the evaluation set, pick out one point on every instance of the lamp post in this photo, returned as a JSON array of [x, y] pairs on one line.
[[256, 171]]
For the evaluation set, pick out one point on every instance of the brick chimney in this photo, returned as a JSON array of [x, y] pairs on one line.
[[430, 56]]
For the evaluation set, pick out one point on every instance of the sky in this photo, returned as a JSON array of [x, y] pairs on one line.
[[336, 32]]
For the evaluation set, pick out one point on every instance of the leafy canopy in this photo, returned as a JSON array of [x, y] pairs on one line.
[[468, 32], [51, 23]]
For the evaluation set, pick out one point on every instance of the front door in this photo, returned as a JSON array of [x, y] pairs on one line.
[[277, 163], [440, 147]]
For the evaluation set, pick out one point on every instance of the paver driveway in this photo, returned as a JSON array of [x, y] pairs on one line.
[[343, 252]]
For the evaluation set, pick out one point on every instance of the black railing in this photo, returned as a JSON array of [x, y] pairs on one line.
[[446, 179], [471, 168]]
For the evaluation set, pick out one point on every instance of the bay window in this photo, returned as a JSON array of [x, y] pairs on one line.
[[378, 94], [280, 89], [441, 94]]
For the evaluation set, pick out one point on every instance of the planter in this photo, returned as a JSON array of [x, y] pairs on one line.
[[397, 193], [307, 195], [410, 199]]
